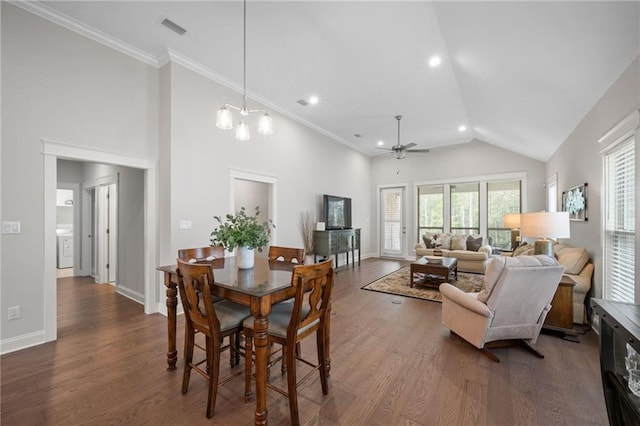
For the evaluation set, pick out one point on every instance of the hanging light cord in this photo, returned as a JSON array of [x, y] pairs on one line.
[[244, 57]]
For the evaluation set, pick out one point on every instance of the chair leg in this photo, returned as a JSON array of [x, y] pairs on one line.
[[292, 389], [232, 349], [531, 349], [237, 348], [213, 357], [188, 359], [322, 360], [283, 366], [248, 366]]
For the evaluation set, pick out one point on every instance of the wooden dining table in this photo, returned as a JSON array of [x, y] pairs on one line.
[[259, 288]]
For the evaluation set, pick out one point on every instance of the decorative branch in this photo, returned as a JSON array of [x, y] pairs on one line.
[[307, 224]]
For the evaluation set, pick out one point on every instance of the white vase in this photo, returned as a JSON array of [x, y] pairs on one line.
[[245, 258]]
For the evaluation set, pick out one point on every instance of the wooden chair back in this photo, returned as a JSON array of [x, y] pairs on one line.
[[317, 280], [201, 254], [194, 284], [286, 254]]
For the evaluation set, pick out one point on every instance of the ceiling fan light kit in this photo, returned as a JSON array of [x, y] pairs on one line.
[[224, 118], [400, 151]]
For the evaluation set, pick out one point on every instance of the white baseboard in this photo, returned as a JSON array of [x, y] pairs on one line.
[[131, 294], [17, 343]]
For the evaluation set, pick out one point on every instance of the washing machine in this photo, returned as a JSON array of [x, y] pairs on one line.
[[65, 250]]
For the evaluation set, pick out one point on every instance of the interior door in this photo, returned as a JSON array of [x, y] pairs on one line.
[[392, 226], [106, 209]]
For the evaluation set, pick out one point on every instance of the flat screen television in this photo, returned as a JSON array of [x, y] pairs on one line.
[[337, 212]]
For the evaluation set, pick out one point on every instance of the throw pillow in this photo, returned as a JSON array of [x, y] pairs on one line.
[[429, 240], [523, 250], [573, 259], [444, 241], [459, 242], [474, 244]]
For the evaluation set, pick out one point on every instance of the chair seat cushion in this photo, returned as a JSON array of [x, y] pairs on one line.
[[279, 319], [230, 314]]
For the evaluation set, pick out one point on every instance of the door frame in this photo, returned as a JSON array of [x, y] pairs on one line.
[[271, 180], [52, 151], [405, 211], [75, 187]]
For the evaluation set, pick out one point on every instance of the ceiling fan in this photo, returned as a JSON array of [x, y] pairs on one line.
[[400, 151]]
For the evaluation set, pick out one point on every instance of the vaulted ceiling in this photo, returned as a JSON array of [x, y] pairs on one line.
[[518, 75]]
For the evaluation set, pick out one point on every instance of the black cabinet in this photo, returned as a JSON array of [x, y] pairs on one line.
[[619, 326], [334, 242]]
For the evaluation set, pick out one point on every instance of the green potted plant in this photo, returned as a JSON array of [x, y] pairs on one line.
[[244, 232]]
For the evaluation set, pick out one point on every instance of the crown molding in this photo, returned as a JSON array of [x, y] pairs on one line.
[[45, 12], [203, 70]]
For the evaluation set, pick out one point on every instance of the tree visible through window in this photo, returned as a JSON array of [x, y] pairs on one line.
[[502, 198], [430, 209], [465, 208]]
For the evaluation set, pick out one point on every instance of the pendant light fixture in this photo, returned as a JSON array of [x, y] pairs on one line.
[[224, 119]]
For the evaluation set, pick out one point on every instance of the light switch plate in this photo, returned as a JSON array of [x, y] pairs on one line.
[[185, 224], [10, 227]]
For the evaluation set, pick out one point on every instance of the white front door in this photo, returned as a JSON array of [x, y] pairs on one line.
[[392, 226]]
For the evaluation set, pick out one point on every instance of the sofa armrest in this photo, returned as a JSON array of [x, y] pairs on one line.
[[462, 299], [486, 249]]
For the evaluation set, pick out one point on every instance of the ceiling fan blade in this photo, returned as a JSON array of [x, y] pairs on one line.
[[409, 145], [385, 149], [417, 150]]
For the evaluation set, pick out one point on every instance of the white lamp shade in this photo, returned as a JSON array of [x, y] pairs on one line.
[[242, 131], [224, 120], [265, 125], [545, 225], [511, 220]]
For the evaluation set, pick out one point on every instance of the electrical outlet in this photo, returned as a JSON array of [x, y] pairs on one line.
[[14, 312]]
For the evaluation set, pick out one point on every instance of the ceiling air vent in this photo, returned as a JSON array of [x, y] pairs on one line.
[[303, 102], [173, 26]]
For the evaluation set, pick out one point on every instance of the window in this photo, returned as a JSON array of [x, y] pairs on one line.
[[502, 198], [430, 209], [619, 233], [465, 208], [552, 193]]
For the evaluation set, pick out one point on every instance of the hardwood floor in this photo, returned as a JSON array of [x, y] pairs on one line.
[[392, 364]]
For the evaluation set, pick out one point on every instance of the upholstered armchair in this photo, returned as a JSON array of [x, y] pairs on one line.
[[510, 308]]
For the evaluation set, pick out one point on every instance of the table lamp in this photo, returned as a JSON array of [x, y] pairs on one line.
[[544, 225], [512, 220]]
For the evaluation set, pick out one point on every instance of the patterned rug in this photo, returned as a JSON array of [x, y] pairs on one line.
[[398, 283]]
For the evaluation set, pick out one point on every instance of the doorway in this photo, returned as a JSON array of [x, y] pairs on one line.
[[392, 222], [52, 151], [251, 190]]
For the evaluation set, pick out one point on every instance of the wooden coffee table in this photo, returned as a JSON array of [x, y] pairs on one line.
[[432, 274]]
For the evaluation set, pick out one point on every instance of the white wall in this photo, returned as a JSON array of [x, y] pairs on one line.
[[473, 159], [578, 160], [58, 86], [304, 164]]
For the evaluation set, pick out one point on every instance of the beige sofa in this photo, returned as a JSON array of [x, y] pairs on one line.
[[451, 245], [578, 269]]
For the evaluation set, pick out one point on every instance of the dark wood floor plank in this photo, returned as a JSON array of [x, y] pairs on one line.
[[392, 364]]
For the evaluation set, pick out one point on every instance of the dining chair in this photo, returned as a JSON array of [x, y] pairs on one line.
[[215, 320], [201, 254], [290, 323], [286, 254]]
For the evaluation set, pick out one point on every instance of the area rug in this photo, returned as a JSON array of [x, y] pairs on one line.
[[398, 283]]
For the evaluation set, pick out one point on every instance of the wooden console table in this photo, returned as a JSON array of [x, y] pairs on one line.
[[336, 241], [560, 317]]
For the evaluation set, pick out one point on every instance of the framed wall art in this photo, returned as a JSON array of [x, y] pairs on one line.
[[574, 201]]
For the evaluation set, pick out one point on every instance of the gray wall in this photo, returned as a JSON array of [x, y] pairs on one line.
[[63, 87], [59, 86], [578, 160]]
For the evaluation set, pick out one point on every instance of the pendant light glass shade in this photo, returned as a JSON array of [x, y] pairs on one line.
[[265, 124], [224, 119], [242, 131]]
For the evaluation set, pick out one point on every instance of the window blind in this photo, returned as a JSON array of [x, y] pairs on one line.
[[619, 262]]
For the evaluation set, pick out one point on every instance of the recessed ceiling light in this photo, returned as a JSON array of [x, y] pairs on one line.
[[313, 100], [434, 61], [380, 143], [462, 128]]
